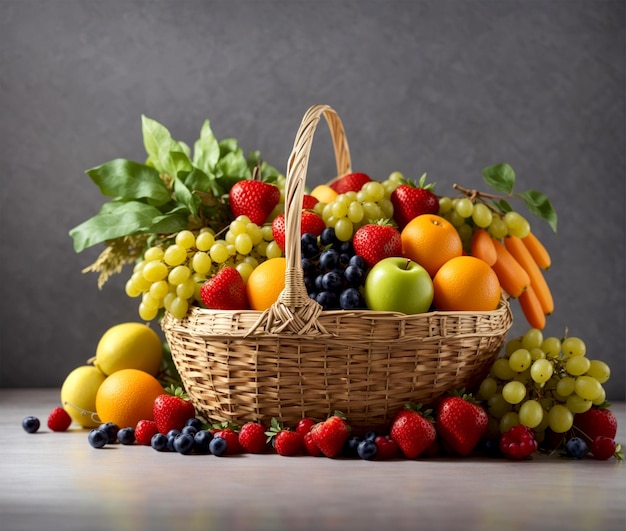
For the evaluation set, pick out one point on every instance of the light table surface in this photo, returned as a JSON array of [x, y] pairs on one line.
[[57, 481]]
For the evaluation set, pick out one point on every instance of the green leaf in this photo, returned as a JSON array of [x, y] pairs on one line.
[[500, 177], [174, 221], [539, 205], [232, 168], [130, 180], [503, 205], [228, 145], [268, 173], [206, 151], [181, 162], [159, 145], [115, 219], [200, 181], [185, 198]]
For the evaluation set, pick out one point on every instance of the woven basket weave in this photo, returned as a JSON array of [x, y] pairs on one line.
[[295, 360]]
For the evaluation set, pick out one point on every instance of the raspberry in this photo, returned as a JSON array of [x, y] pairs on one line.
[[518, 443], [387, 448], [144, 431], [59, 420]]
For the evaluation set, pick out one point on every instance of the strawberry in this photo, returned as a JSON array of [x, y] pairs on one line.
[[286, 442], [386, 447], [59, 419], [304, 426], [412, 430], [233, 446], [309, 202], [604, 448], [144, 431], [171, 410], [331, 434], [225, 290], [310, 223], [351, 182], [255, 199], [461, 423], [376, 241], [410, 201], [310, 446], [252, 438], [594, 422]]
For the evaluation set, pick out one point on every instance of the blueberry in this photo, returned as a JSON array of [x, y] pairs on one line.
[[195, 422], [346, 247], [353, 275], [358, 261], [576, 448], [370, 436], [159, 442], [351, 447], [331, 281], [183, 443], [327, 237], [308, 245], [31, 424], [308, 266], [191, 430], [318, 282], [329, 259], [327, 299], [218, 446], [351, 299], [126, 436], [111, 429], [202, 440], [344, 259], [98, 438], [309, 282], [367, 449]]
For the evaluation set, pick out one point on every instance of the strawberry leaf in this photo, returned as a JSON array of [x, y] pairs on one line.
[[500, 177]]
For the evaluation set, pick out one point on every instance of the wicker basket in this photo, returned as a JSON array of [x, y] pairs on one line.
[[295, 360]]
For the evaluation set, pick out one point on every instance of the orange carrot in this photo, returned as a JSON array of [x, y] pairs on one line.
[[512, 276], [537, 251], [538, 282], [482, 246], [531, 307]]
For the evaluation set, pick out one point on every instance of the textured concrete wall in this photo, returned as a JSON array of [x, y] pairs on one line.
[[444, 87]]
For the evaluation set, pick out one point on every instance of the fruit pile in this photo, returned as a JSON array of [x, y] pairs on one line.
[[207, 229]]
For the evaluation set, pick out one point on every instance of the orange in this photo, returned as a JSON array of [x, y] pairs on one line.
[[324, 193], [431, 241], [127, 396], [265, 283], [466, 283]]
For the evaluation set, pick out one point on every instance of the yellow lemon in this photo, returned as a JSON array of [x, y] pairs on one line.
[[78, 395], [129, 346], [324, 193]]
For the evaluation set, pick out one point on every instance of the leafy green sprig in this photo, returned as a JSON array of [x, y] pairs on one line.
[[501, 178]]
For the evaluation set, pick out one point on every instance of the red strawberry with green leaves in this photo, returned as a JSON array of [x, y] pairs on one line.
[[172, 409], [413, 430], [331, 434], [351, 182], [225, 290], [603, 448], [410, 200], [597, 421], [286, 442], [252, 438], [310, 223], [461, 423], [144, 431], [255, 199], [376, 241]]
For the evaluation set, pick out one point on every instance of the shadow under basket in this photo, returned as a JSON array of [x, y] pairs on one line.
[[296, 360]]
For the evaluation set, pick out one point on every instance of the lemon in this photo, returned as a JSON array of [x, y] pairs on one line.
[[129, 346], [78, 395]]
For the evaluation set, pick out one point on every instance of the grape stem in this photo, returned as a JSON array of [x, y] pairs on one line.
[[476, 195]]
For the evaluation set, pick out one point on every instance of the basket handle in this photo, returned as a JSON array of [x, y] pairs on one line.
[[295, 310]]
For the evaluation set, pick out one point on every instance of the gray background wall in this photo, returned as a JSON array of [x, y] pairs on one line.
[[445, 87]]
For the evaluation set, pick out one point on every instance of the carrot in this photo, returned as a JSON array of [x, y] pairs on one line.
[[482, 246], [512, 276], [538, 282], [531, 307], [537, 251]]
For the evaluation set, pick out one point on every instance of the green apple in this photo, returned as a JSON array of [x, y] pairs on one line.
[[397, 284]]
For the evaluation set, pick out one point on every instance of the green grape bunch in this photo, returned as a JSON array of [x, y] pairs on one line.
[[542, 382]]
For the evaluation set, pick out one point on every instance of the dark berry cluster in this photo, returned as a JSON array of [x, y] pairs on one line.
[[333, 273]]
